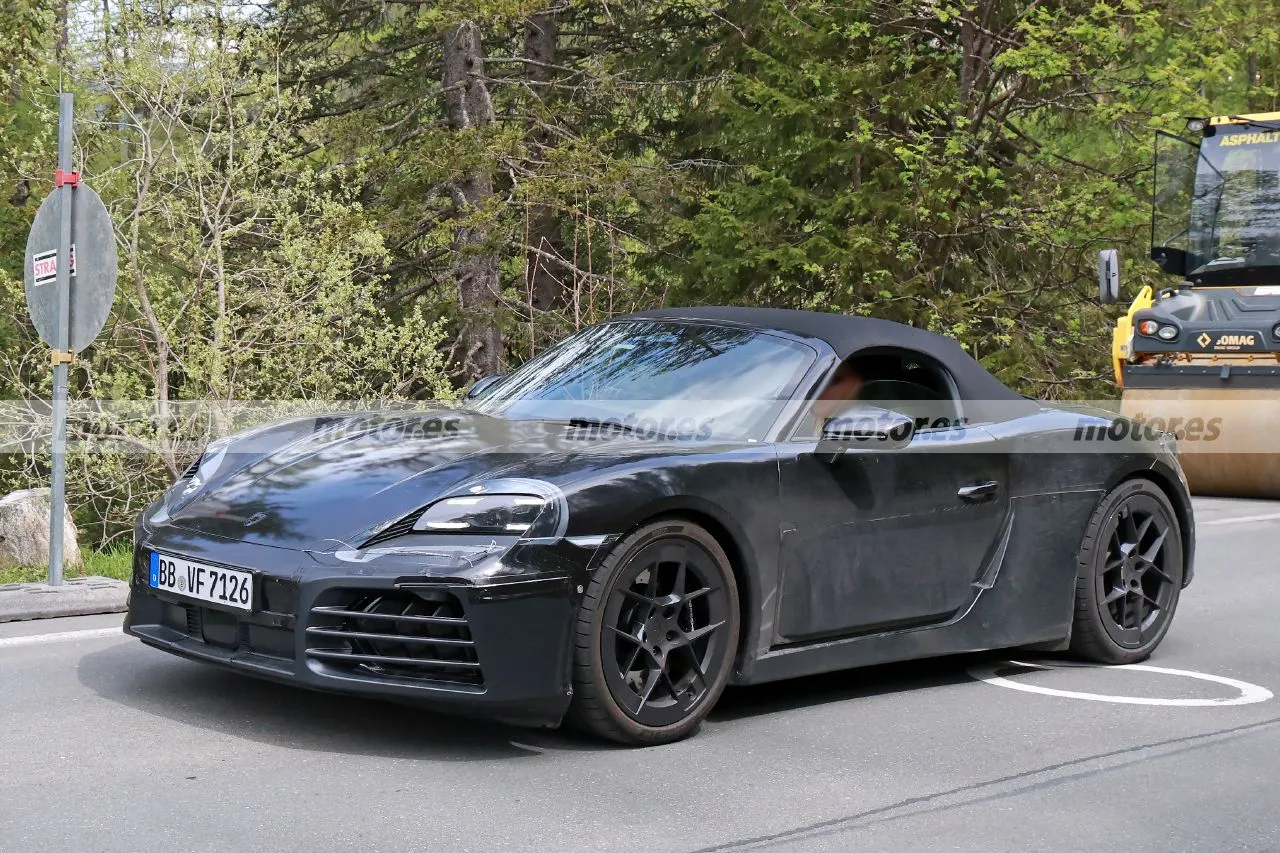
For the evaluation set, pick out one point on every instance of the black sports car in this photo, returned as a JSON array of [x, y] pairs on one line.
[[658, 506]]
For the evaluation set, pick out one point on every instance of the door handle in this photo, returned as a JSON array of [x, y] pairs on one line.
[[979, 492]]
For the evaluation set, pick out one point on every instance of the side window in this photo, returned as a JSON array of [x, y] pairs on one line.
[[901, 382]]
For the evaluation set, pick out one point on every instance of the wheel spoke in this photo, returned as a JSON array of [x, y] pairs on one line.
[[635, 655], [698, 593], [1142, 530], [638, 596], [677, 588], [1155, 605], [1131, 528], [697, 665], [671, 685], [1150, 554], [650, 682], [698, 634], [624, 635], [1115, 594], [1159, 572], [651, 588], [1117, 543]]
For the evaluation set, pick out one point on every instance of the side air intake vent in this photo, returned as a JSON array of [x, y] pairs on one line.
[[192, 469]]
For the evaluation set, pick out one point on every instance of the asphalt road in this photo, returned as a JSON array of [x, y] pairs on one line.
[[108, 745]]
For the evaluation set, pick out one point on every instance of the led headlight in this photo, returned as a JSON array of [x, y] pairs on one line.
[[494, 515]]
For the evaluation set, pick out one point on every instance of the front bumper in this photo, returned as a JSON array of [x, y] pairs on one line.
[[498, 649]]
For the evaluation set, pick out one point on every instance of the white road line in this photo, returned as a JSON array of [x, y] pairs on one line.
[[1249, 693], [60, 637], [1244, 519]]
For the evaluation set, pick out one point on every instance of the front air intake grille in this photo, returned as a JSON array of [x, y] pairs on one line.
[[394, 634]]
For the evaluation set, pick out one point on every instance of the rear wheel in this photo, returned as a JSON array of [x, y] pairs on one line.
[[1129, 575], [656, 636]]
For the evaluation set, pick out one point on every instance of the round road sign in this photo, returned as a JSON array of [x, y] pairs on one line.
[[93, 267]]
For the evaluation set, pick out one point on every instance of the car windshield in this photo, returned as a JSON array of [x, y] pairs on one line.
[[675, 379]]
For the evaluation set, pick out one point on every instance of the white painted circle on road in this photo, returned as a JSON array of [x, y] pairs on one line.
[[1249, 693]]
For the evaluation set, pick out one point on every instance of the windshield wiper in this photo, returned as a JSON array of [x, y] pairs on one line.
[[596, 423]]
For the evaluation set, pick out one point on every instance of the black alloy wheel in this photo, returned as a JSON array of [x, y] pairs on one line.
[[656, 635], [1130, 575]]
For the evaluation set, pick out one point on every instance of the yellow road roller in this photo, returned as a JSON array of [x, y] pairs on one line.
[[1201, 358]]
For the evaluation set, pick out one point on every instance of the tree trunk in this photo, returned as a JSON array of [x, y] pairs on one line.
[[468, 107], [543, 278]]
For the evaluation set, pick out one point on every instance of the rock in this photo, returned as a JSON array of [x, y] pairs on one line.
[[24, 531]]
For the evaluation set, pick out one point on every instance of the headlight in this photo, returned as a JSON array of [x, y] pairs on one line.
[[1167, 333], [501, 515]]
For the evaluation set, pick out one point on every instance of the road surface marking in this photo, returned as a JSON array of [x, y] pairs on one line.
[[1244, 519], [1249, 693], [61, 637]]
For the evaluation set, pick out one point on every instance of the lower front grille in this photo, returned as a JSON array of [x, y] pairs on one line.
[[396, 634]]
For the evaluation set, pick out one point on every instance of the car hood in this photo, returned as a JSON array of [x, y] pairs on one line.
[[333, 486]]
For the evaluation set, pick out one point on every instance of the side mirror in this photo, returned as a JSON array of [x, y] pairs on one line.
[[865, 428], [478, 387], [1108, 276]]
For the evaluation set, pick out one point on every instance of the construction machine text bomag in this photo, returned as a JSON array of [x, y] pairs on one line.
[[1201, 358]]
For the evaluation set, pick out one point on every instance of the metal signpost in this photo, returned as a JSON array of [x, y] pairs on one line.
[[70, 278]]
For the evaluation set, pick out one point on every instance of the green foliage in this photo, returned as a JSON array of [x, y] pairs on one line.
[[296, 199], [115, 562], [244, 276], [951, 165]]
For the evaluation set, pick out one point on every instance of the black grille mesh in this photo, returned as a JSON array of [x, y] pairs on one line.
[[395, 634]]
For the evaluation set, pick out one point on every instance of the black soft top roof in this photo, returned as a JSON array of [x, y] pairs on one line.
[[848, 335]]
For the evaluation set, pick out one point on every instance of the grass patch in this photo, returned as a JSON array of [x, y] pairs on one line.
[[114, 563]]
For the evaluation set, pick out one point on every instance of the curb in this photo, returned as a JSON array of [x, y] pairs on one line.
[[75, 597]]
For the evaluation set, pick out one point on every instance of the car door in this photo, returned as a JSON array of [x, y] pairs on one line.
[[879, 540]]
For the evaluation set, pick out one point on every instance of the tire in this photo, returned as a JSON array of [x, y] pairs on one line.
[[651, 656], [1129, 575]]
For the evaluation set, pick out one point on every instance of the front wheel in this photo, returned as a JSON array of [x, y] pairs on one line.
[[1129, 575], [656, 636]]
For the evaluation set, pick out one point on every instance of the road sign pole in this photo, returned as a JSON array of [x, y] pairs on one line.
[[62, 344]]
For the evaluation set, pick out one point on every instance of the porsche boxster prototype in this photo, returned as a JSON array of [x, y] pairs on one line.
[[661, 505]]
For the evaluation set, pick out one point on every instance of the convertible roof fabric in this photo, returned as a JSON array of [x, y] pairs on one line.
[[849, 335]]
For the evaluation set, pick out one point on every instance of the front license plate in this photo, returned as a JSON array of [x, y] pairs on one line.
[[213, 584]]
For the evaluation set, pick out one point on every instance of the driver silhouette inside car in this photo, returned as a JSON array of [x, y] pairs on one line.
[[875, 381], [841, 390]]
